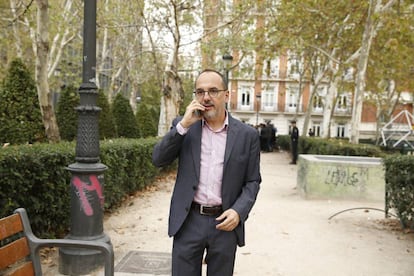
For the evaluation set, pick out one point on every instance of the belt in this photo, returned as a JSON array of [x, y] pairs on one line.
[[207, 210]]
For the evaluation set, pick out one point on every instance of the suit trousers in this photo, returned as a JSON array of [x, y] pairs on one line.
[[199, 234]]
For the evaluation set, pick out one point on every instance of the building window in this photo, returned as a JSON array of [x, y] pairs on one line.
[[271, 68], [340, 131], [292, 97], [269, 99], [268, 67], [317, 102], [293, 65], [342, 102], [316, 128], [246, 99]]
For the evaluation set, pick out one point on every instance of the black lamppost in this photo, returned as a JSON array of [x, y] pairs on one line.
[[258, 96], [227, 62], [86, 187]]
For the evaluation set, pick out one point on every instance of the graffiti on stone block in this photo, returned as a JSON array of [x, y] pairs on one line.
[[346, 176]]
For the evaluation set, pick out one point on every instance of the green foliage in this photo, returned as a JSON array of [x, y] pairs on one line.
[[391, 55], [107, 127], [188, 86], [147, 121], [399, 187], [125, 121], [283, 142], [20, 116], [35, 177], [130, 167], [66, 115], [151, 95], [148, 110], [316, 145]]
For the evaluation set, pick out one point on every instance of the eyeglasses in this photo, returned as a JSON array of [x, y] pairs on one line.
[[212, 92]]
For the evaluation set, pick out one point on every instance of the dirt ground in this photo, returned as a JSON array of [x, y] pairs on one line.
[[286, 235]]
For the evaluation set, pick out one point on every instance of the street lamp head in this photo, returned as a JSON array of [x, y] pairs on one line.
[[227, 60]]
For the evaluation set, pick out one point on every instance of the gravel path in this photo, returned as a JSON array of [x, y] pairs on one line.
[[286, 235]]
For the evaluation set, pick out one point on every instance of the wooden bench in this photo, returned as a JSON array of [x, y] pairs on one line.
[[19, 247]]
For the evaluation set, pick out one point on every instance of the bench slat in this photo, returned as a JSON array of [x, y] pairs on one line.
[[13, 252], [25, 269], [10, 225]]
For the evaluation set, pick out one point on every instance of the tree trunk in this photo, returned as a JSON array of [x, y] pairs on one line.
[[329, 107], [172, 91], [371, 25], [210, 21], [170, 101], [41, 70], [360, 80], [309, 111], [315, 84], [16, 36], [103, 53]]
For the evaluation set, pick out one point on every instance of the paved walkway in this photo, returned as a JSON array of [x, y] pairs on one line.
[[286, 235]]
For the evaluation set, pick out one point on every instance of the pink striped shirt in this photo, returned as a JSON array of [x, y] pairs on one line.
[[213, 146]]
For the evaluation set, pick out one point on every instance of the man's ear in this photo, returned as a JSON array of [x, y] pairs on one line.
[[227, 96]]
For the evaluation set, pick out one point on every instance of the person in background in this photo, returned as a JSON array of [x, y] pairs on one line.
[[217, 183], [294, 139], [274, 135], [266, 137], [311, 133]]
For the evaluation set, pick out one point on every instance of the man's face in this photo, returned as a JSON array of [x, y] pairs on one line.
[[215, 106]]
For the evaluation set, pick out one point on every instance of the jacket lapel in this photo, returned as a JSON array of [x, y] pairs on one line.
[[196, 148], [231, 140]]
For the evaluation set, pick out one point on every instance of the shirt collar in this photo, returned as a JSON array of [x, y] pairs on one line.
[[224, 126]]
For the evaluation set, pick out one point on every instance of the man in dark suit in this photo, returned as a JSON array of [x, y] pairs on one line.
[[294, 137], [218, 180]]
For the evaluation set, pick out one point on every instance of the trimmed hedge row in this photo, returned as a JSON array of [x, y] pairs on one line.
[[35, 177], [315, 145]]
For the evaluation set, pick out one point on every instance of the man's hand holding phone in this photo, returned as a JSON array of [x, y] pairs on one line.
[[193, 113]]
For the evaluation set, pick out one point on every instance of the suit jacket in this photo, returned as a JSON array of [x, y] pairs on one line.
[[241, 171], [294, 135]]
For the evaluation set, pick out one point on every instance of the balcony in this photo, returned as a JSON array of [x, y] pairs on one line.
[[269, 108], [243, 107], [347, 111], [291, 108]]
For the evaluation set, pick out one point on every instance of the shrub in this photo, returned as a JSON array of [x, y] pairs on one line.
[[66, 115], [399, 187], [147, 122], [20, 116], [107, 127], [125, 121]]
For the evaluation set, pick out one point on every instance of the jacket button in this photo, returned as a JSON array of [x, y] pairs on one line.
[[194, 188], [187, 209]]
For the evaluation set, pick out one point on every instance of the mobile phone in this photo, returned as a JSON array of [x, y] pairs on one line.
[[198, 113]]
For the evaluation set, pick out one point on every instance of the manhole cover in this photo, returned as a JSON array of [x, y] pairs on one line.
[[155, 263]]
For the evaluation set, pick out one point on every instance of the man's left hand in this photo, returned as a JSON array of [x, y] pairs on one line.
[[230, 219]]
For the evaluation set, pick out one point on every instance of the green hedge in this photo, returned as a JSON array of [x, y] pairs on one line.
[[35, 177], [316, 145], [399, 187], [129, 167]]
